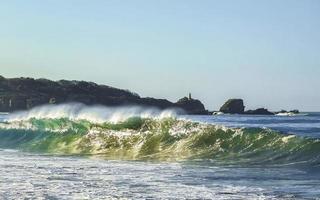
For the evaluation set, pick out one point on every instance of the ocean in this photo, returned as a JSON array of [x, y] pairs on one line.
[[79, 152]]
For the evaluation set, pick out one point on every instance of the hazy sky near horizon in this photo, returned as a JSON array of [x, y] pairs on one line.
[[266, 52]]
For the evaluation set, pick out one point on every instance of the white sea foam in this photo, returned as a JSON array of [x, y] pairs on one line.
[[287, 138], [96, 114], [286, 114], [32, 176]]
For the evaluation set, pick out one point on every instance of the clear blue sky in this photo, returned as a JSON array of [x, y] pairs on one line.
[[266, 52]]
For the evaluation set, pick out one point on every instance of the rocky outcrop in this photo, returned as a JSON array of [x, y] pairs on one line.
[[190, 105], [259, 111], [295, 111], [233, 106], [159, 103], [291, 111], [25, 93]]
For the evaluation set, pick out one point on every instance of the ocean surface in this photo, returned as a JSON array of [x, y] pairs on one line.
[[78, 152]]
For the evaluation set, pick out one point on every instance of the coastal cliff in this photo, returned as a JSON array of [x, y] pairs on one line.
[[25, 93]]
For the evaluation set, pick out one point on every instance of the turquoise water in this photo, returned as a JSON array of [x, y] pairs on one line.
[[88, 155]]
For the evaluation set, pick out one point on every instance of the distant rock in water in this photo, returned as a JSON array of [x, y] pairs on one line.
[[190, 105], [236, 106], [295, 111], [287, 113], [259, 111], [233, 106], [291, 111], [25, 93], [282, 111]]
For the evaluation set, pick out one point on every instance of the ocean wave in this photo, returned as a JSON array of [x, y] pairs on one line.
[[153, 137]]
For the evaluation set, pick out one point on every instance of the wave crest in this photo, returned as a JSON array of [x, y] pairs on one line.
[[95, 114], [162, 139]]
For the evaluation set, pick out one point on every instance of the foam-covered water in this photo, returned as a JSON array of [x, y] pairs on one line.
[[34, 176], [79, 152]]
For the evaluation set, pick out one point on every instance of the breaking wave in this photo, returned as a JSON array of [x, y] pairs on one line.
[[137, 133], [95, 114]]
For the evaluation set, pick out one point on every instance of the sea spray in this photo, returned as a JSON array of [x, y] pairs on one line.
[[96, 114]]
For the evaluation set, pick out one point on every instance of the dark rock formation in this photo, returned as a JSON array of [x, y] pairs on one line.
[[159, 103], [295, 111], [25, 93], [259, 111], [288, 112], [190, 105], [233, 106], [281, 111]]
